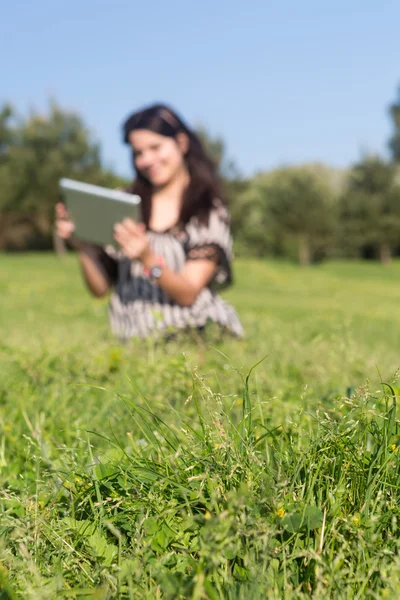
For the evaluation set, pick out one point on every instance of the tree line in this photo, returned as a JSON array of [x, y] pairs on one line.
[[306, 212]]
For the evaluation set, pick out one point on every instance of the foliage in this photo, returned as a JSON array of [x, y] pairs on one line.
[[394, 142], [289, 211], [307, 213], [370, 209], [216, 148], [35, 154]]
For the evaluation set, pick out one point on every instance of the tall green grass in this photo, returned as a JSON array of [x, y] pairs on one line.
[[199, 469]]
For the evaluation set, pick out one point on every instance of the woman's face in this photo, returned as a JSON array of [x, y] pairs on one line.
[[157, 157]]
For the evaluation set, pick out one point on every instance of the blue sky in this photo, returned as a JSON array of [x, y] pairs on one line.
[[282, 81]]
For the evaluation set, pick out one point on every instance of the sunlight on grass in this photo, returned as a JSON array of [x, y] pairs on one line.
[[162, 471]]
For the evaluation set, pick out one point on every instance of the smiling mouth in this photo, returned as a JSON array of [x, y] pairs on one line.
[[154, 170]]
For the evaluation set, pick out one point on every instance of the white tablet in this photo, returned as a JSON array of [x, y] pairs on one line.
[[95, 210]]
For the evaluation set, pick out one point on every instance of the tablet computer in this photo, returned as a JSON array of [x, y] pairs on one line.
[[95, 210]]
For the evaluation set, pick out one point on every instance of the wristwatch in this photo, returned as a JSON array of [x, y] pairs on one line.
[[156, 270]]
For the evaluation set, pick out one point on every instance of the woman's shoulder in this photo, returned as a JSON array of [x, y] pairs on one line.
[[213, 230], [220, 210]]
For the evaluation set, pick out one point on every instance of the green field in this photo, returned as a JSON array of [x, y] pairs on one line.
[[157, 470]]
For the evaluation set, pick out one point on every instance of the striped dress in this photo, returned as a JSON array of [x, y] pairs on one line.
[[140, 308]]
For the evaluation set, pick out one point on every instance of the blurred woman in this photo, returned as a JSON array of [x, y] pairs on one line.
[[166, 273]]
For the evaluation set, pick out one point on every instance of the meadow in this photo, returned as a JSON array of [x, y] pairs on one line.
[[210, 468]]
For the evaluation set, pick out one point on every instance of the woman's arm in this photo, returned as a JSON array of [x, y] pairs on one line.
[[92, 258], [182, 287], [185, 286], [94, 273]]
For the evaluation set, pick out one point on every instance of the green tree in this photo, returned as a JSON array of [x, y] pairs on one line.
[[35, 154], [394, 142], [215, 147], [251, 224], [6, 114], [289, 212], [370, 209], [301, 210]]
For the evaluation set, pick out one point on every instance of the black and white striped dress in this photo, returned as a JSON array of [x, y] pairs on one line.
[[139, 307]]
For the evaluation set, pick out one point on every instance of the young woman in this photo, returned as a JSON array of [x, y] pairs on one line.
[[167, 269]]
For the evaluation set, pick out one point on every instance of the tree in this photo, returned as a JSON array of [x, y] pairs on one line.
[[35, 153], [370, 209], [394, 142], [290, 211], [301, 210], [6, 114], [251, 226], [216, 149]]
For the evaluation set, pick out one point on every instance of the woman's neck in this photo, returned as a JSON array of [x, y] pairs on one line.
[[166, 202], [174, 189]]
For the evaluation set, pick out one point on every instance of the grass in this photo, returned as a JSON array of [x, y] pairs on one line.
[[266, 467]]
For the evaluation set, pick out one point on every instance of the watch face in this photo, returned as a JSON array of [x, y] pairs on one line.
[[156, 272]]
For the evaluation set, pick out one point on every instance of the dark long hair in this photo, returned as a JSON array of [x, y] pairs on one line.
[[204, 185]]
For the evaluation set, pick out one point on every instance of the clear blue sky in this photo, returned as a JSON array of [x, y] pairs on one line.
[[280, 80]]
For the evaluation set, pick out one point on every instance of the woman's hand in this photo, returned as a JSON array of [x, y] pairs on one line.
[[65, 229], [133, 239]]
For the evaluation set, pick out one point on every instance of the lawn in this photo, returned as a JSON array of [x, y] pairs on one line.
[[155, 470]]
